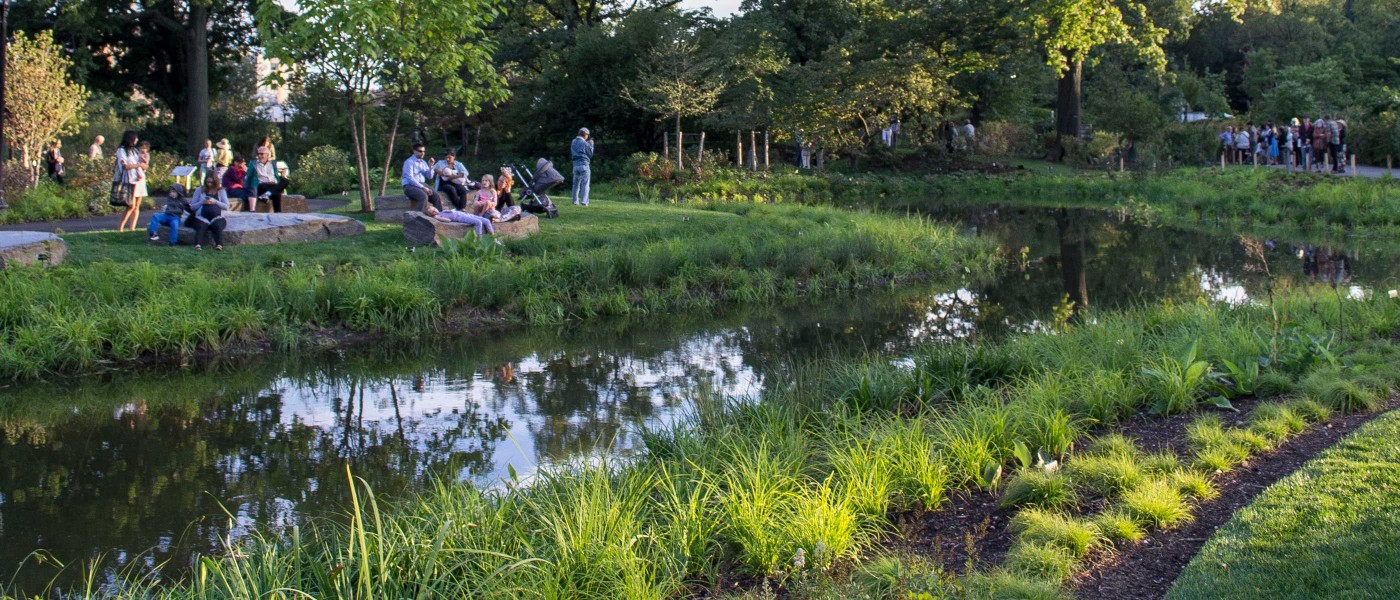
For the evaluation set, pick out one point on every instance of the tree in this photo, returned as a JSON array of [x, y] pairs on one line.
[[1068, 30], [676, 81], [365, 46], [162, 47], [42, 103]]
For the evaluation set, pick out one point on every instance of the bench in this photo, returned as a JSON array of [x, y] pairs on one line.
[[422, 230], [390, 209], [244, 229], [291, 203]]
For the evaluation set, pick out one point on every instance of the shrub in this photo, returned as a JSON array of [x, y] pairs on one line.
[[1333, 389], [1004, 585], [1043, 561], [1002, 138], [1193, 484], [1272, 383], [1106, 475], [47, 202], [1119, 526], [324, 170], [1034, 487]]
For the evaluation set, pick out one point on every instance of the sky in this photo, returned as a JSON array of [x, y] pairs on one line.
[[721, 8]]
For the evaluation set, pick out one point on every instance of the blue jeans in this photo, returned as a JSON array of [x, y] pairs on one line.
[[159, 220], [581, 176]]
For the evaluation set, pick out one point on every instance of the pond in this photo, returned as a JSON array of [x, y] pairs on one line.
[[144, 470]]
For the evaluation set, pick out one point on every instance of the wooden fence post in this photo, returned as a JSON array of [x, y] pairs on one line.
[[700, 157], [765, 149], [1353, 165], [680, 150], [753, 150], [1222, 161], [739, 149], [666, 145]]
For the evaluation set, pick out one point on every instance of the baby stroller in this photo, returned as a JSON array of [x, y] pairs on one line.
[[534, 197]]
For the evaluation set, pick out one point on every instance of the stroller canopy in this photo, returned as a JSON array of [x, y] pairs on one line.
[[546, 177]]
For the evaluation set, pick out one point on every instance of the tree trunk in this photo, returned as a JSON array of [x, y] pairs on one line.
[[753, 150], [197, 79], [680, 146], [765, 150], [700, 157], [739, 149], [389, 154], [361, 159], [1067, 108], [476, 144], [1073, 267]]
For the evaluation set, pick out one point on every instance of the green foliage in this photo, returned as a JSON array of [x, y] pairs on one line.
[[46, 202], [42, 103], [1108, 475], [1118, 526], [1039, 527], [1157, 503], [324, 170], [1037, 488], [1340, 391], [1175, 384], [1048, 562]]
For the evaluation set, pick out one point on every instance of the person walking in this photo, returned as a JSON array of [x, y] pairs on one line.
[[95, 150], [126, 173], [416, 172], [582, 152]]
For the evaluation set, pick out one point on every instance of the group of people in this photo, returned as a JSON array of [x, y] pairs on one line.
[[1318, 144], [479, 203]]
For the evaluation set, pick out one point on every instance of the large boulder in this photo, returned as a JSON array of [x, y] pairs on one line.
[[25, 248], [422, 230], [391, 209], [280, 228]]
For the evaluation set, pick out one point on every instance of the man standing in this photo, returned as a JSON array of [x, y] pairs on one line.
[[582, 151], [416, 172], [969, 135], [95, 150]]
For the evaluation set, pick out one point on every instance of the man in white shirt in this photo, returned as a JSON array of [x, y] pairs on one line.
[[416, 172]]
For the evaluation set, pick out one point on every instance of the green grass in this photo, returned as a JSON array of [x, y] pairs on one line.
[[1326, 531], [116, 298]]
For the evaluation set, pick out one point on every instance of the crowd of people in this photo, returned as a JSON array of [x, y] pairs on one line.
[[480, 203], [1315, 144]]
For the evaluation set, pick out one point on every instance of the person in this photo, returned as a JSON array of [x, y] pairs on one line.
[[1271, 134], [209, 204], [234, 184], [223, 156], [95, 150], [53, 161], [452, 180], [124, 174], [482, 225], [1341, 146], [582, 151], [1227, 142], [485, 204], [264, 182], [1305, 133], [969, 136], [415, 180], [504, 200], [206, 160], [1319, 144], [1241, 146], [266, 142], [139, 189], [176, 207], [894, 133]]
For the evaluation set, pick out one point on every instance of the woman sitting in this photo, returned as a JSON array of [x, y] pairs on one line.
[[235, 184], [209, 204], [482, 224]]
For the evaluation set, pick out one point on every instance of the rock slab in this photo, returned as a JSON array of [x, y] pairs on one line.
[[26, 248], [247, 229], [291, 203], [391, 209], [421, 230]]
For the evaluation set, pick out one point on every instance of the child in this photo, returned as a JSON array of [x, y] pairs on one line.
[[509, 210], [482, 224], [175, 208], [485, 204]]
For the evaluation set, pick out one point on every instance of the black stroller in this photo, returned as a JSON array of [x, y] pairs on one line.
[[534, 197]]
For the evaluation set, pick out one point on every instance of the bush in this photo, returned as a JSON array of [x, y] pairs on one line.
[[324, 170], [1002, 138], [47, 202]]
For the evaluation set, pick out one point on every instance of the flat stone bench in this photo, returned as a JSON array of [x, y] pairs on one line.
[[247, 229], [422, 230], [26, 248], [291, 203], [390, 209]]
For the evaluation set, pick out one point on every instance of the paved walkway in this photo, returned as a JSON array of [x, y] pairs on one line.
[[109, 222]]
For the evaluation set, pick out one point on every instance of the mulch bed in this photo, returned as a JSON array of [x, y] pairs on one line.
[[971, 529], [1147, 569]]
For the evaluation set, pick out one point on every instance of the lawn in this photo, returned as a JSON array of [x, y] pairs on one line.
[[1329, 530], [119, 299]]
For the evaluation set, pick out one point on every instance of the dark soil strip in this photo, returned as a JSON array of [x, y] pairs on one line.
[[971, 528], [1146, 570]]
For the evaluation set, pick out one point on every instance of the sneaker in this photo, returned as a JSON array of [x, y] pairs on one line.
[[220, 247], [265, 195], [198, 247], [154, 238]]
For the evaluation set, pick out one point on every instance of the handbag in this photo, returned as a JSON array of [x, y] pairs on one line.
[[121, 194]]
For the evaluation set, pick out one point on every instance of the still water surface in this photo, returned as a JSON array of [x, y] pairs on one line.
[[146, 470]]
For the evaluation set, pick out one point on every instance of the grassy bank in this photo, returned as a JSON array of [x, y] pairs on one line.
[[1268, 197], [118, 299], [796, 488], [1327, 531]]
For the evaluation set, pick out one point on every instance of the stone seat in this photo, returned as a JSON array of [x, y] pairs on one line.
[[25, 248], [246, 229], [422, 230], [391, 209]]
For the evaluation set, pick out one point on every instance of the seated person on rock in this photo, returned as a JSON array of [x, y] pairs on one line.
[[452, 180], [485, 204], [234, 180], [170, 216], [263, 180], [504, 201], [481, 224], [209, 204], [416, 172]]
